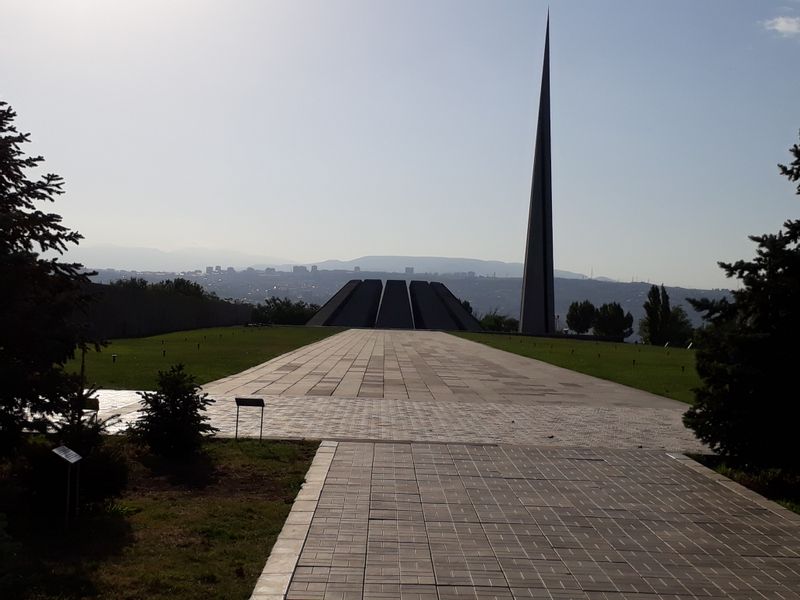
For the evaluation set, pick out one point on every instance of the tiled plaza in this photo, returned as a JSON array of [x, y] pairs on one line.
[[454, 470], [431, 386], [441, 521]]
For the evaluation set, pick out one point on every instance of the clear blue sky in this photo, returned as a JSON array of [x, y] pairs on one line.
[[335, 129]]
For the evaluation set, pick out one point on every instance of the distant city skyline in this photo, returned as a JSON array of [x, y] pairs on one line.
[[188, 260], [332, 130]]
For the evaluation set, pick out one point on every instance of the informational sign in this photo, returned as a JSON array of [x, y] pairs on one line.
[[257, 402], [71, 458], [254, 402], [68, 455]]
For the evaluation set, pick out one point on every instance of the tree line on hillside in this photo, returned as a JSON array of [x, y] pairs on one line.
[[607, 321], [662, 324], [179, 285], [135, 308], [283, 311]]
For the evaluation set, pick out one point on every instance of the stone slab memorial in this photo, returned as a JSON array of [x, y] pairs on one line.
[[395, 311], [361, 307], [537, 316], [464, 319], [429, 310], [332, 307], [421, 305]]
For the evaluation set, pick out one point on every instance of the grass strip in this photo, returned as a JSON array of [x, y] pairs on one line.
[[779, 485], [208, 354], [667, 372], [201, 529]]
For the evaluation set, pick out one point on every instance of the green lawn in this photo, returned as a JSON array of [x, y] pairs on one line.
[[207, 353], [667, 372], [188, 530]]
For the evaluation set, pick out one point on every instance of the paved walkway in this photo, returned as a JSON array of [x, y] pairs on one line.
[[431, 386], [452, 521], [424, 365], [549, 483]]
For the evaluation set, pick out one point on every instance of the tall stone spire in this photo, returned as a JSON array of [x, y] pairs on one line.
[[538, 310]]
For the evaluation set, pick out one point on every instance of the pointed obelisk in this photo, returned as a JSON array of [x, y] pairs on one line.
[[538, 310]]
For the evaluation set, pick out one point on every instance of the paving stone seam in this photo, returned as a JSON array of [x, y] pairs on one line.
[[274, 580], [369, 521]]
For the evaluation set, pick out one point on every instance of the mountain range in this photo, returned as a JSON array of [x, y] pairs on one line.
[[436, 264], [108, 256], [189, 259]]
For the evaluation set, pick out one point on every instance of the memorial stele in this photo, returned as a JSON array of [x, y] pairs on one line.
[[537, 315]]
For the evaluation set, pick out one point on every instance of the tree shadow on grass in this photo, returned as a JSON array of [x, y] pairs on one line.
[[42, 559], [195, 471]]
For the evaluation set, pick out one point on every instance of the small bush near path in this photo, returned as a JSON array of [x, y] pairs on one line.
[[172, 422], [208, 354], [494, 321], [181, 529], [667, 372], [780, 485]]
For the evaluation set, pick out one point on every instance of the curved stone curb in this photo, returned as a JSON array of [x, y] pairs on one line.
[[274, 579]]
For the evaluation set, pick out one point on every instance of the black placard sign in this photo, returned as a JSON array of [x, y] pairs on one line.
[[68, 455], [258, 402]]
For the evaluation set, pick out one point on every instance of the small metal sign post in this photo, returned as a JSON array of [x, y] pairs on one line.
[[256, 402], [71, 458]]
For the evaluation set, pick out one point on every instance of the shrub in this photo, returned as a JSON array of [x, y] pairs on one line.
[[104, 474], [172, 423], [7, 545], [9, 549], [78, 429], [493, 321], [282, 311], [42, 475]]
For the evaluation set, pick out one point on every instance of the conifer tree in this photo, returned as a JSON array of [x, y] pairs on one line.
[[612, 321], [581, 316], [747, 407], [42, 296], [663, 323]]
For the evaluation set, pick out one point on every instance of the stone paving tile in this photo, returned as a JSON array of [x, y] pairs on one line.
[[425, 521]]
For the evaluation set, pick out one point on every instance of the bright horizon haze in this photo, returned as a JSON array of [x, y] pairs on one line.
[[332, 130]]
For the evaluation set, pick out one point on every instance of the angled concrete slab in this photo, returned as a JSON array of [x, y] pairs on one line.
[[361, 307], [333, 306], [429, 310], [395, 311]]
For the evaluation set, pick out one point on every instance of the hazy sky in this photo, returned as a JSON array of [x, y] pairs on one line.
[[335, 129]]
